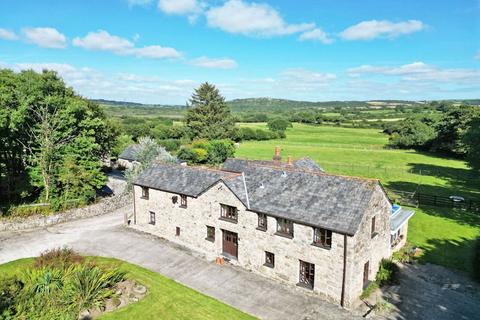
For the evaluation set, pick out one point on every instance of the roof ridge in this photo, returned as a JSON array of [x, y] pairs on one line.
[[200, 168], [314, 172]]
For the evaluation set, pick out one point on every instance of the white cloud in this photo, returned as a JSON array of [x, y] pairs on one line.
[[255, 19], [179, 7], [6, 34], [92, 83], [316, 34], [477, 55], [101, 40], [223, 63], [419, 71], [45, 37], [368, 30]]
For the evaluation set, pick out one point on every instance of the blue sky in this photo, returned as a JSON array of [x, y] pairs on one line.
[[158, 51]]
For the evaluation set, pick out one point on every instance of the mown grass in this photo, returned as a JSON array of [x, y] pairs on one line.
[[166, 299], [446, 235], [362, 152]]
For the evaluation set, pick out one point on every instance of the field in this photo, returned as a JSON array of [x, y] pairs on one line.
[[446, 235], [362, 152], [165, 297]]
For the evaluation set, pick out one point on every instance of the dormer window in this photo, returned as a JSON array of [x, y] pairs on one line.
[[322, 238], [262, 222], [284, 227], [183, 201], [145, 193]]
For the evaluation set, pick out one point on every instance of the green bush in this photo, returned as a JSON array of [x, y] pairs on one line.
[[387, 273], [10, 288], [211, 152], [170, 144], [56, 289], [29, 210], [219, 151], [58, 258]]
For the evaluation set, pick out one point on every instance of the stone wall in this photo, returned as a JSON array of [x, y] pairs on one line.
[[205, 211], [363, 247], [105, 205]]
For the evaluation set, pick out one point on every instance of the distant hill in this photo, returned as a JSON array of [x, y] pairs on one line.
[[273, 105]]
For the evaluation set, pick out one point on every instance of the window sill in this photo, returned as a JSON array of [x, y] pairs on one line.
[[261, 229], [305, 286], [151, 223], [144, 198], [184, 207], [374, 235], [228, 220], [210, 239], [268, 265], [319, 245], [285, 235]]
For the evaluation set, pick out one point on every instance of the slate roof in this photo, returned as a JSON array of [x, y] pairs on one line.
[[190, 181], [312, 198], [240, 165], [130, 153]]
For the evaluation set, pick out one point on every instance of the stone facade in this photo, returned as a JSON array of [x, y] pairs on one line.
[[204, 211]]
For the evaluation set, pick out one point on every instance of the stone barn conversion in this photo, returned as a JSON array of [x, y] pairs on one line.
[[289, 221]]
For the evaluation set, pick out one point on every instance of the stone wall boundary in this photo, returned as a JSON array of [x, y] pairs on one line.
[[104, 206]]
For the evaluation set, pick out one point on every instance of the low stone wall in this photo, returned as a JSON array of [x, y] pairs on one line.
[[104, 206]]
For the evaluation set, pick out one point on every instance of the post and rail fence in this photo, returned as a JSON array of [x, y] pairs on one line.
[[418, 198]]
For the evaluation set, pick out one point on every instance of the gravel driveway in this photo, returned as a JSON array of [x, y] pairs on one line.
[[427, 292], [105, 236]]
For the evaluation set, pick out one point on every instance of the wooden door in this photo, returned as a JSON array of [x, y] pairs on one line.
[[366, 269], [230, 243]]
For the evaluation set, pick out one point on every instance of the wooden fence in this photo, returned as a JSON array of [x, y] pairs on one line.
[[417, 198]]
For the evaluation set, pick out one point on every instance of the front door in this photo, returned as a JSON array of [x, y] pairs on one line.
[[230, 243], [366, 269]]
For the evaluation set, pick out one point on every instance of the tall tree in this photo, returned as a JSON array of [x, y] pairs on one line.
[[452, 127], [472, 143], [209, 116], [44, 129]]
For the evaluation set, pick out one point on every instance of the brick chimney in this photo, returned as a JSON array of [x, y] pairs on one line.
[[277, 157], [290, 161]]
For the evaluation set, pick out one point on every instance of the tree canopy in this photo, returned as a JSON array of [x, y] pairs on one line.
[[52, 141], [471, 140], [208, 115]]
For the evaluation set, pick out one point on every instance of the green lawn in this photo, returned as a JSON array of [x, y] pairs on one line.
[[446, 235], [362, 152], [166, 299]]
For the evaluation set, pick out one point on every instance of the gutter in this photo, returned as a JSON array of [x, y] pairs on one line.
[[342, 299]]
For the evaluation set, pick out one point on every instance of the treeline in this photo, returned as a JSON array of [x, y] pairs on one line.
[[52, 141], [456, 132]]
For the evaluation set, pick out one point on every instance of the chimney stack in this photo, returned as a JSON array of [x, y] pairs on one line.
[[290, 161], [277, 157]]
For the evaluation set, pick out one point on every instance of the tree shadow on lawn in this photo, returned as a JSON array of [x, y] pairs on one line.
[[458, 179], [451, 253]]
